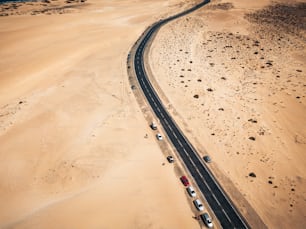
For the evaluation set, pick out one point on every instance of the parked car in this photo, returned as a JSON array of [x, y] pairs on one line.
[[153, 126], [170, 159], [159, 137], [198, 204], [191, 191], [207, 159], [206, 220], [185, 180]]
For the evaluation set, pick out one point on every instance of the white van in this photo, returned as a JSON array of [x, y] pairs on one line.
[[191, 191]]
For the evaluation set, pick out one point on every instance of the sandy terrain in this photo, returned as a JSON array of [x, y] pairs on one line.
[[233, 75], [75, 148]]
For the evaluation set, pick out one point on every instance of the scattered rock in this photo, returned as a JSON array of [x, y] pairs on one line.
[[261, 131], [222, 6], [252, 174], [252, 138], [252, 120], [209, 89], [196, 96]]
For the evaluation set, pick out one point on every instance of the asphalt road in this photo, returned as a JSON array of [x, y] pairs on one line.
[[224, 210]]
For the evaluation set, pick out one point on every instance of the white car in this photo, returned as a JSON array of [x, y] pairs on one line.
[[191, 191], [153, 126], [170, 159], [159, 137], [198, 204]]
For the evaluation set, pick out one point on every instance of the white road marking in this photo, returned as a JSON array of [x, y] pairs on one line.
[[216, 199], [227, 216]]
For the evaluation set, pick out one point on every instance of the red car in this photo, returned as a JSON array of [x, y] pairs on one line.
[[185, 180]]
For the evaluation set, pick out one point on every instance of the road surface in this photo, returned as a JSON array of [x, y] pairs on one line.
[[222, 207]]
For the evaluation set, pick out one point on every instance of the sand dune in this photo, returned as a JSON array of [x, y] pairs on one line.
[[75, 149]]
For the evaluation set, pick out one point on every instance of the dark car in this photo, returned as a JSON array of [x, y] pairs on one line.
[[185, 180], [207, 220], [207, 159]]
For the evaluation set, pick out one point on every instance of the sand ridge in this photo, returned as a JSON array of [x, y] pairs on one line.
[[45, 7]]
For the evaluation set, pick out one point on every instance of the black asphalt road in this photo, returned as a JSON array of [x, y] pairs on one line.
[[224, 210]]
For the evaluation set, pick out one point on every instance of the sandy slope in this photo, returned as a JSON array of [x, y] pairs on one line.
[[233, 74], [75, 150]]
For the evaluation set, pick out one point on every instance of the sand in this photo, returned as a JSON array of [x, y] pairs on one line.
[[233, 76], [75, 148]]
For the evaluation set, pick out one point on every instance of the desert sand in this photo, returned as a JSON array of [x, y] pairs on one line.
[[233, 76], [75, 148]]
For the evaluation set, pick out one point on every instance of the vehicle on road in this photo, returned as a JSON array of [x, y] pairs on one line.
[[198, 204], [153, 126], [159, 137], [191, 191], [170, 159], [206, 220], [184, 181], [207, 159]]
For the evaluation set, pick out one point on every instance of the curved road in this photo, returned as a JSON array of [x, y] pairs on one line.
[[224, 210]]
